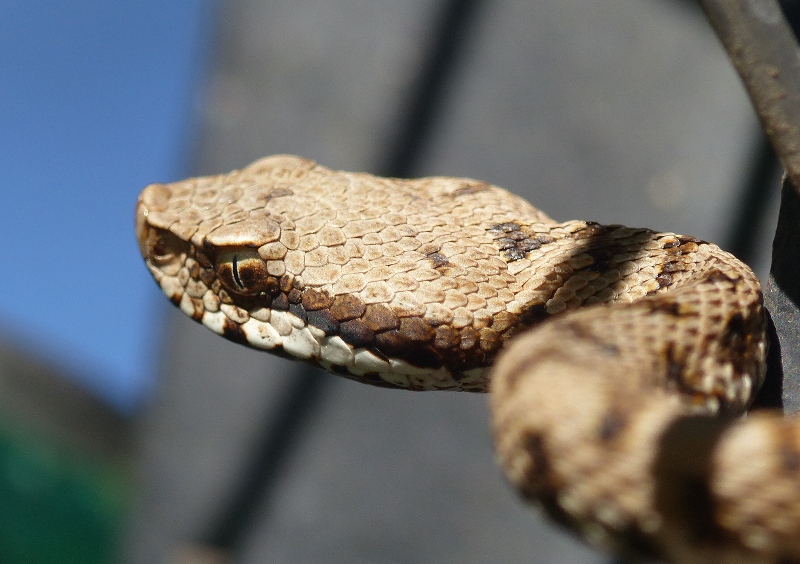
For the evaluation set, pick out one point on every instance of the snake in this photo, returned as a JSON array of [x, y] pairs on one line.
[[619, 362]]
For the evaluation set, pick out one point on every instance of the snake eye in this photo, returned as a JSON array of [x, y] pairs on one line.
[[243, 271]]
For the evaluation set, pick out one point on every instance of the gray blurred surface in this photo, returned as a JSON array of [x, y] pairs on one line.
[[624, 111], [41, 401]]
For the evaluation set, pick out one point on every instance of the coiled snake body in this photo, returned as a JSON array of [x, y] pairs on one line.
[[618, 418]]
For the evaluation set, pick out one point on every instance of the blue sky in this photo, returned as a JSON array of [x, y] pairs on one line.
[[96, 101]]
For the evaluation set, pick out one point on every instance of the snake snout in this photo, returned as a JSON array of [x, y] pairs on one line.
[[163, 251]]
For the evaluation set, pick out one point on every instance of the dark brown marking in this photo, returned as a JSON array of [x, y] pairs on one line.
[[736, 328], [507, 227], [666, 306], [678, 378], [197, 304], [491, 340], [515, 236], [195, 271], [438, 259], [516, 243], [201, 257], [347, 307], [516, 248], [208, 277], [611, 426], [425, 357], [671, 266], [416, 329], [412, 353], [233, 332], [286, 283], [514, 254], [684, 239], [719, 276], [664, 280], [539, 240], [469, 338], [683, 468], [534, 314], [790, 459], [355, 333], [253, 276], [280, 302], [379, 318], [323, 320], [537, 474], [314, 300], [446, 337], [538, 480], [505, 320], [737, 335], [392, 344], [586, 334], [294, 296], [591, 230], [610, 349], [699, 504], [298, 311], [674, 366]]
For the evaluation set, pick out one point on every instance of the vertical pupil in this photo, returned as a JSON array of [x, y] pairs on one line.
[[235, 268]]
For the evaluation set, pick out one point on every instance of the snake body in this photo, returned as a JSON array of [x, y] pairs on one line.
[[618, 359]]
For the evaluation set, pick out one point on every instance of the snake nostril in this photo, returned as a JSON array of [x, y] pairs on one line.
[[163, 247], [160, 249]]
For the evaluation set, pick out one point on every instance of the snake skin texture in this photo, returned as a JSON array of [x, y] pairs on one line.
[[618, 360]]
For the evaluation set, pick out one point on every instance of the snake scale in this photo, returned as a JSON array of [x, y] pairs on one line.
[[618, 360]]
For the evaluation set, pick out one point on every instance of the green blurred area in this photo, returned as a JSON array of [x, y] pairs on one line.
[[57, 504]]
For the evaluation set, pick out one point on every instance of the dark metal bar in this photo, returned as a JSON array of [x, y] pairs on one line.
[[427, 94], [782, 297], [283, 432], [762, 47], [753, 201]]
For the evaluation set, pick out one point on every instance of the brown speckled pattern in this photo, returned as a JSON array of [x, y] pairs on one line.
[[611, 417]]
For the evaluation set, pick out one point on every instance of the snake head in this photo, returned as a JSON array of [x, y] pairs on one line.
[[187, 254], [385, 280]]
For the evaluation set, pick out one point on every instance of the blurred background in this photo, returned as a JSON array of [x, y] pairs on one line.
[[129, 433]]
